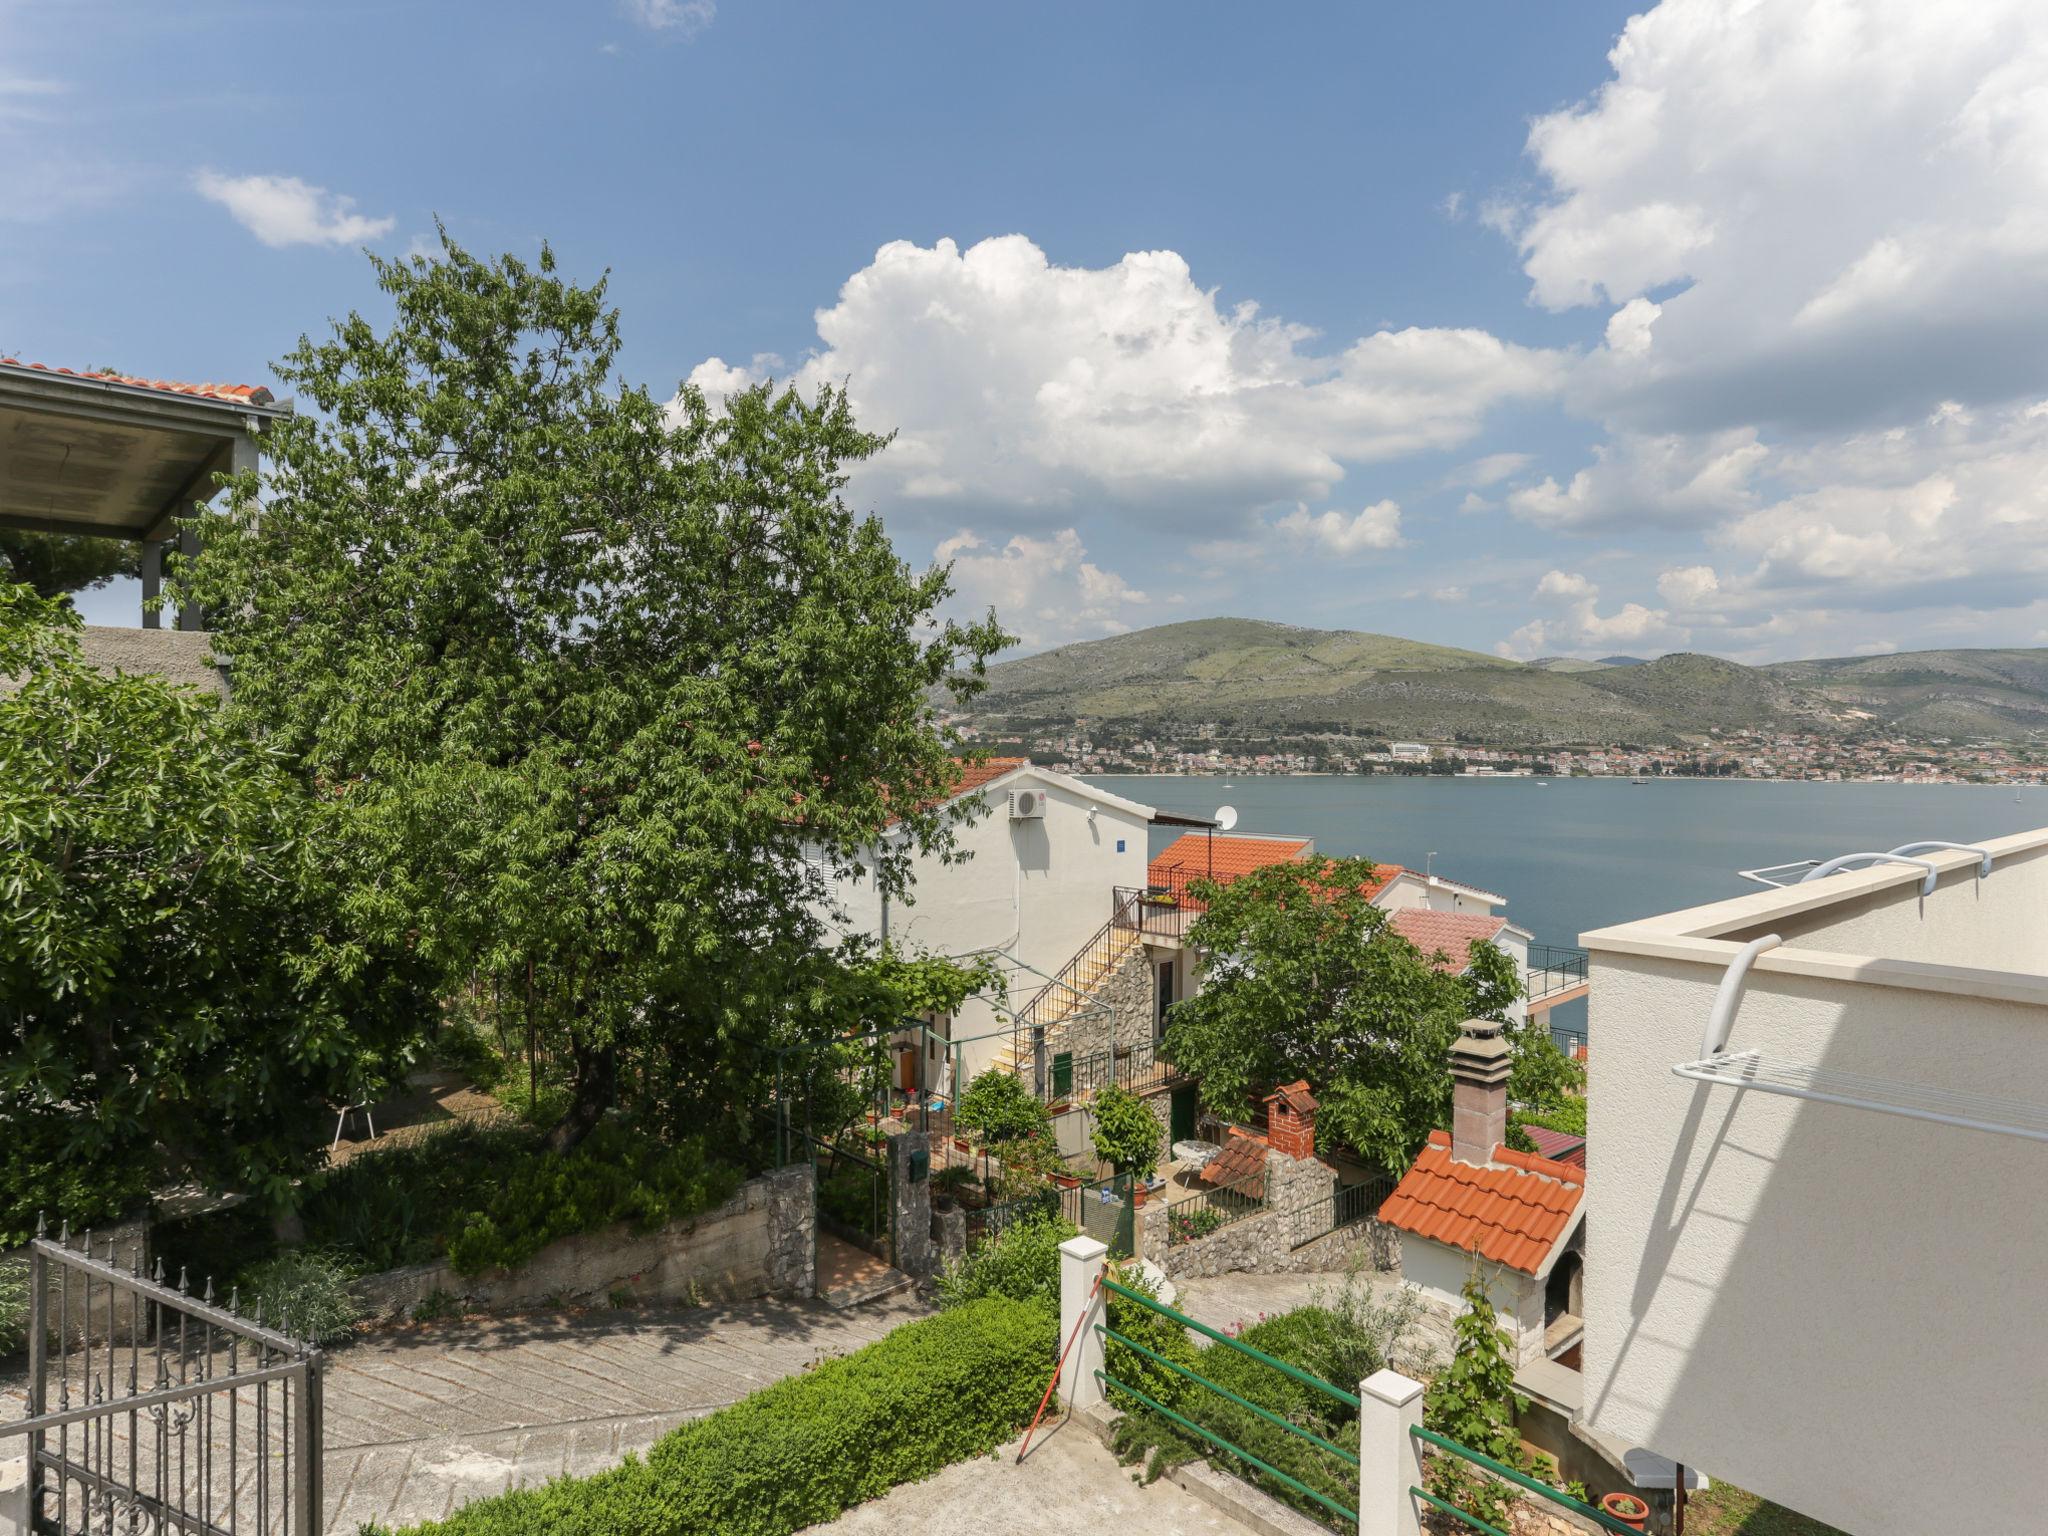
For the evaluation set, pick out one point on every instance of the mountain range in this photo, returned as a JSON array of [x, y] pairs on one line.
[[1267, 677]]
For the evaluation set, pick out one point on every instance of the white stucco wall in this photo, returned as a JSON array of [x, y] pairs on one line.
[[1412, 888], [1438, 1273], [1036, 890], [1836, 1309]]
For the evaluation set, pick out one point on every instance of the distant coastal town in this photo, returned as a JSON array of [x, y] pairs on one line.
[[1219, 749]]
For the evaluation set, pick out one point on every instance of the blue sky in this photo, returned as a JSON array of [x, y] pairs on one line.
[[1467, 323]]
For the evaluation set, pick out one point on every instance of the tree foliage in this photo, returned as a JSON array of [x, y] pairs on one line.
[[1306, 981], [1126, 1133], [58, 563], [599, 671], [1000, 1108], [1475, 1403], [180, 979]]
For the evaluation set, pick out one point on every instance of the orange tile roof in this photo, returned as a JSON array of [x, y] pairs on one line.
[[1296, 1097], [1448, 934], [973, 776], [238, 394], [1511, 1212], [1198, 855], [1240, 1167]]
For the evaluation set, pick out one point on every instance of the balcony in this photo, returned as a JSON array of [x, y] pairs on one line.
[[1556, 975], [1784, 1173]]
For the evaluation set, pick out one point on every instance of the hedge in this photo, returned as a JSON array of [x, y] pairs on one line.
[[797, 1453]]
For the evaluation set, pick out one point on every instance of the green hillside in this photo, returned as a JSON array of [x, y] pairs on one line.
[[1256, 675]]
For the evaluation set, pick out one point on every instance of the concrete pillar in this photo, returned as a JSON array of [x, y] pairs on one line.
[[189, 616], [1389, 1457], [152, 582], [1082, 1259], [910, 1201]]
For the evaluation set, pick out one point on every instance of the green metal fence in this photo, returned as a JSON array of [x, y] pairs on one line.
[[1348, 1513], [1513, 1475]]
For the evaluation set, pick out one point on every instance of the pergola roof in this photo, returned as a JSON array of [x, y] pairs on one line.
[[117, 456]]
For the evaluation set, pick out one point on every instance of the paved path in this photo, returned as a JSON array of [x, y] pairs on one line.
[[423, 1419], [1068, 1483]]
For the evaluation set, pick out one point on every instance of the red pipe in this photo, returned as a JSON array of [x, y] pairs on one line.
[[1079, 1323]]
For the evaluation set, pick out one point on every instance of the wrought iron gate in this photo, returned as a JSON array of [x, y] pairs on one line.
[[150, 1409]]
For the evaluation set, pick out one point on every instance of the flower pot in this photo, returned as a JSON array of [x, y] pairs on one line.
[[1137, 1195], [1625, 1507], [1066, 1181], [960, 1144]]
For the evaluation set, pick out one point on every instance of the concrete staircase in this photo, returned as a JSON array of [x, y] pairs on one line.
[[1072, 991]]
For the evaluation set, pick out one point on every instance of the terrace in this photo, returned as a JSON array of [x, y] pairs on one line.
[[1821, 1106]]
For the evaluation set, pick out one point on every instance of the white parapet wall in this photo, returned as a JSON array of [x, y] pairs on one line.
[[1834, 1308]]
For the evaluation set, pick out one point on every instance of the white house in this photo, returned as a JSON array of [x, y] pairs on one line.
[[1470, 1204], [1819, 1141], [1046, 855]]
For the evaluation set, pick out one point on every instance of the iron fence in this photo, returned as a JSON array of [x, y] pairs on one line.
[[152, 1409], [1206, 1212], [1345, 1207], [1555, 968], [1161, 911]]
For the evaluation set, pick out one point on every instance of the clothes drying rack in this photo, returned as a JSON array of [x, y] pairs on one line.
[[1754, 1071]]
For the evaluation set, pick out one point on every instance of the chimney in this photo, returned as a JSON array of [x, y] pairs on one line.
[[1291, 1121], [1479, 1094]]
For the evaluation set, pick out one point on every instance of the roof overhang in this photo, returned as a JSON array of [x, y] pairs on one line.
[[87, 455], [1173, 819]]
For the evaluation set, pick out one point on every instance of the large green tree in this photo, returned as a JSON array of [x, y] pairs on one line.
[[58, 563], [602, 669], [182, 990], [1305, 980]]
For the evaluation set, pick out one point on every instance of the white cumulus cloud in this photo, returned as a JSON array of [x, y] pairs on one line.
[[685, 18], [1344, 534], [1045, 590], [1669, 480], [283, 210]]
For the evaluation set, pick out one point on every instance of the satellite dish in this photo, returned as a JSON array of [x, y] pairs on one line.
[[1226, 817]]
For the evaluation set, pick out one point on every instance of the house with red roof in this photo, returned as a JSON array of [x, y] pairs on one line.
[[1470, 1203]]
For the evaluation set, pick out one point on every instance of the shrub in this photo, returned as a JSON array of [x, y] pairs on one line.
[[615, 1174], [304, 1293], [13, 1305], [1126, 1134], [1568, 1114], [1000, 1108], [1155, 1332], [1022, 1263], [799, 1452], [1474, 1402]]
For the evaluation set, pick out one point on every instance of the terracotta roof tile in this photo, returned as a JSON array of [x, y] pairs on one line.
[[1449, 934], [1240, 1166], [240, 394], [1296, 1096], [973, 776], [1511, 1213], [1198, 855]]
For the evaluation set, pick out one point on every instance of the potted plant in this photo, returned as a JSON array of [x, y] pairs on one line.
[[1126, 1137], [1626, 1508]]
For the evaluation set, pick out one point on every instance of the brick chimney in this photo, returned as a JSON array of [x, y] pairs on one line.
[[1479, 1094], [1291, 1121]]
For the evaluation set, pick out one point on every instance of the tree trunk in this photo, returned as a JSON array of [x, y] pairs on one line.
[[596, 1074]]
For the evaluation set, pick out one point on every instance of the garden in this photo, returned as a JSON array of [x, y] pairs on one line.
[[502, 785]]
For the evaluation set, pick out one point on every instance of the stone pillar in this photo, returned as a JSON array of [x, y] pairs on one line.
[[1479, 1092], [1389, 1457], [1082, 1259], [949, 1237], [152, 582], [793, 1230], [189, 616], [910, 1202]]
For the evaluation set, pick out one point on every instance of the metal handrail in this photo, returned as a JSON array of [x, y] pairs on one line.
[[1983, 854], [1267, 1414], [1307, 1380], [1728, 997], [1843, 861]]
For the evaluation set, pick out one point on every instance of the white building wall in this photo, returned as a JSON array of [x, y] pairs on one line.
[[1035, 891], [1835, 1309], [1438, 1274]]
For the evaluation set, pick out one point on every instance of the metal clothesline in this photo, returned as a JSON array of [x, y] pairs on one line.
[[1754, 1071]]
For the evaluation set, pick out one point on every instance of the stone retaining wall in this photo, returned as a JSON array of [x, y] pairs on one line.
[[760, 1242], [1262, 1244]]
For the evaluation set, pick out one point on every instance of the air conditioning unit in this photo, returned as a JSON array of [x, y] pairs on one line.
[[1027, 805]]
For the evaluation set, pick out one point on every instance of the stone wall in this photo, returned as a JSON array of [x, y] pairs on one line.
[[910, 1214], [1262, 1244], [1122, 1008], [760, 1242]]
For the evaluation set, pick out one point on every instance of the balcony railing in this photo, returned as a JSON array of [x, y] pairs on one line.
[[1160, 911], [1554, 969]]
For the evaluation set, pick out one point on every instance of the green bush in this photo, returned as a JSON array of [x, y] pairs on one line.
[[1022, 1263], [13, 1305], [305, 1293], [1568, 1115], [616, 1174], [1000, 1108], [929, 1394]]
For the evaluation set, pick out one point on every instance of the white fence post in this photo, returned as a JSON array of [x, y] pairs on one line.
[[1389, 1457], [1081, 1260]]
